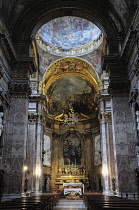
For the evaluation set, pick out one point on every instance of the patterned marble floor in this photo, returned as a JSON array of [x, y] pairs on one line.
[[70, 205]]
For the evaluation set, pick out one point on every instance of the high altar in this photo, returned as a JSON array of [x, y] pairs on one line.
[[71, 178], [73, 187], [69, 165]]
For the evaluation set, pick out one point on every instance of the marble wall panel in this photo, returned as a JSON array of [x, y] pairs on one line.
[[97, 157], [124, 144], [30, 161], [15, 145], [47, 148]]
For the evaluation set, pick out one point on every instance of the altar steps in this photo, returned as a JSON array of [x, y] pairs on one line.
[[70, 204]]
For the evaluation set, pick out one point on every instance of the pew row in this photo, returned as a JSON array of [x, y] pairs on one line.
[[100, 202], [40, 202]]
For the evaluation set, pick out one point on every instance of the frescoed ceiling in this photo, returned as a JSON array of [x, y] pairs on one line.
[[71, 93], [67, 32], [45, 59], [95, 59], [69, 36]]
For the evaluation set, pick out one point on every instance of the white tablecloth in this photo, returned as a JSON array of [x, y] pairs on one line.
[[73, 190]]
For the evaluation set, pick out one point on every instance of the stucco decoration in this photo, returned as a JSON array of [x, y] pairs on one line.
[[70, 66], [69, 36], [121, 7]]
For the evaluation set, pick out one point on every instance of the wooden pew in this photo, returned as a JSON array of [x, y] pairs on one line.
[[120, 205], [39, 202], [120, 208], [98, 202]]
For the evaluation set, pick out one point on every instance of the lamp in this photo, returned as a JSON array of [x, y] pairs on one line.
[[105, 170], [38, 171], [25, 169]]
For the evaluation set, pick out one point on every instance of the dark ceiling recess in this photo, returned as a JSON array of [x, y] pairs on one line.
[[68, 12]]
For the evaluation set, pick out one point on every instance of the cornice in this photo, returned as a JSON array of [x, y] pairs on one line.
[[27, 63], [19, 90], [111, 60], [6, 42], [119, 88]]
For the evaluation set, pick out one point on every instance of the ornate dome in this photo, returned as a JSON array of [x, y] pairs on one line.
[[69, 36]]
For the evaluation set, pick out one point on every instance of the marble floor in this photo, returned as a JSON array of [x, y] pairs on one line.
[[70, 205]]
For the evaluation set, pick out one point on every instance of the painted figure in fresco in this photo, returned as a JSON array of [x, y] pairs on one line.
[[69, 32], [72, 150]]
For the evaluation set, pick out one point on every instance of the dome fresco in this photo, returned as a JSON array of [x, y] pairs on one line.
[[67, 33]]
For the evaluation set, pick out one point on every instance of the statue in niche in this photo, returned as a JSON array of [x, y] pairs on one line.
[[1, 126]]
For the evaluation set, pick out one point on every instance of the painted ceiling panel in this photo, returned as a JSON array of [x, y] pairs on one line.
[[67, 32], [70, 92], [69, 36]]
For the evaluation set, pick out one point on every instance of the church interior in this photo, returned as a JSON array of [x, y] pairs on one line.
[[69, 90]]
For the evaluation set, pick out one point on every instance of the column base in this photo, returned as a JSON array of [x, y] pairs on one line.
[[8, 197], [36, 193], [110, 193]]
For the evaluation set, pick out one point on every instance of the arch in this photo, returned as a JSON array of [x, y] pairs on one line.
[[41, 12], [70, 66]]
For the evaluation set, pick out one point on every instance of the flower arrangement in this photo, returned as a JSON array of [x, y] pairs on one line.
[[77, 193], [67, 193]]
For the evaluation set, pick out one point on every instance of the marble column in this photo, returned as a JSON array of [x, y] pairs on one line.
[[15, 141], [55, 158], [31, 148], [38, 156], [125, 155], [104, 153], [34, 153], [88, 158]]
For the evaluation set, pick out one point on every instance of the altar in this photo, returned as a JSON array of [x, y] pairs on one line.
[[73, 188]]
